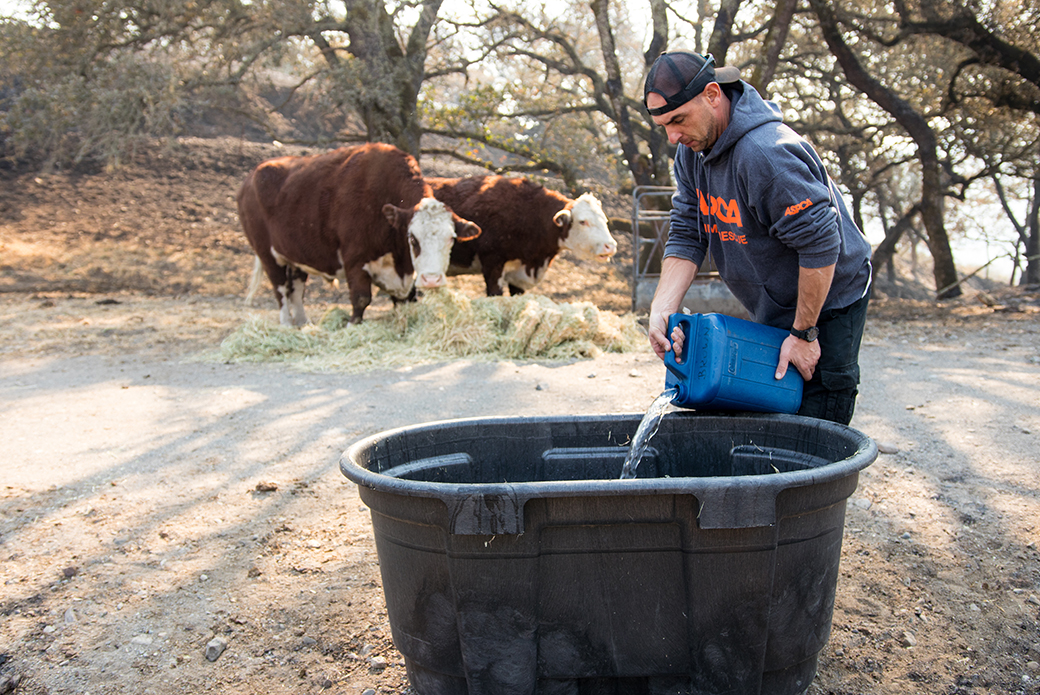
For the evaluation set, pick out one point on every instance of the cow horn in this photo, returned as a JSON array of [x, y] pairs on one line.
[[563, 218]]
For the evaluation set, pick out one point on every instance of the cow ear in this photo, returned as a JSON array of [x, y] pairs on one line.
[[393, 214], [563, 219], [466, 230]]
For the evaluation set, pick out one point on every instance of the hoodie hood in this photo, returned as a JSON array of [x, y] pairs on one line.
[[748, 110]]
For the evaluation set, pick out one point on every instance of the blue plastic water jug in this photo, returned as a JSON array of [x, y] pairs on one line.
[[729, 364]]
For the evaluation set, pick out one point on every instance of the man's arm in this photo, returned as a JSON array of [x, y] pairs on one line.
[[813, 286], [676, 276]]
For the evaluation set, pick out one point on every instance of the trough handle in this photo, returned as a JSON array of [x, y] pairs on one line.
[[487, 514]]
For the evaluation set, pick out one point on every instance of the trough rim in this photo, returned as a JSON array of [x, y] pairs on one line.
[[865, 454]]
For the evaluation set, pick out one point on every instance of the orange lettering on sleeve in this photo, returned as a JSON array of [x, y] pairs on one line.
[[795, 209]]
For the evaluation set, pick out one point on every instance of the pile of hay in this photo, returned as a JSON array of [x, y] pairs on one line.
[[444, 325]]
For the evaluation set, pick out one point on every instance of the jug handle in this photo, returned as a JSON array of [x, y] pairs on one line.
[[680, 367]]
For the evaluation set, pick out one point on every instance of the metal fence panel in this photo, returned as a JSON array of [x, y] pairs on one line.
[[651, 215]]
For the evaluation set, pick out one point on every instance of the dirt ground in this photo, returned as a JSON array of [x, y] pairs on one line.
[[158, 508]]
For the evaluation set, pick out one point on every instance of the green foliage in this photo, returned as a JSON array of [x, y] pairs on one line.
[[77, 86], [103, 117], [522, 87], [471, 110], [90, 78], [537, 95]]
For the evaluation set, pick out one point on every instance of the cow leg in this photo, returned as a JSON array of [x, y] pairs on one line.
[[279, 275], [290, 297], [519, 277], [493, 279], [360, 284], [299, 286]]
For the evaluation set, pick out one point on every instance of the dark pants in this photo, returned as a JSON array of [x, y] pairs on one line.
[[831, 393]]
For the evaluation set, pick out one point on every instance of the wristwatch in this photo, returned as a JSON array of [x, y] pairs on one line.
[[808, 335]]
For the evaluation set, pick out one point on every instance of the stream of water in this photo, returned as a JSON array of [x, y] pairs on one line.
[[646, 431]]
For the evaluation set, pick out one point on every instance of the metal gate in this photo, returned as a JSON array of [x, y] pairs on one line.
[[651, 214], [651, 210]]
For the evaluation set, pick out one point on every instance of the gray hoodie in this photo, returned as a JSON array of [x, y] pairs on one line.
[[762, 202]]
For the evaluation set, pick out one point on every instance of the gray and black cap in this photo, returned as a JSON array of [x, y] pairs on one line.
[[679, 76]]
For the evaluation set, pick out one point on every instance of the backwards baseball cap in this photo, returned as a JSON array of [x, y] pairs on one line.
[[679, 76]]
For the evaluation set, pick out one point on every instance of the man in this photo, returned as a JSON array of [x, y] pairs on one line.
[[755, 193]]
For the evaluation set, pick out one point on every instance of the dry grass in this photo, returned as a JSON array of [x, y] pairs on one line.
[[445, 325]]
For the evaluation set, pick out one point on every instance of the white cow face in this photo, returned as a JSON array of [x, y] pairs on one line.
[[432, 229], [585, 224]]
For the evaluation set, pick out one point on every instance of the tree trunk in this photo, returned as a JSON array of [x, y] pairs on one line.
[[641, 173], [932, 191], [659, 37], [774, 43], [660, 163], [885, 251], [1028, 233], [1032, 274], [389, 75], [722, 33], [917, 128]]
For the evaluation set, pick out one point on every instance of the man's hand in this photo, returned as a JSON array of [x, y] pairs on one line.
[[803, 355], [813, 286], [657, 330], [660, 341], [676, 276]]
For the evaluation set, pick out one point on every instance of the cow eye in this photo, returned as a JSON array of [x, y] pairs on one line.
[[416, 249]]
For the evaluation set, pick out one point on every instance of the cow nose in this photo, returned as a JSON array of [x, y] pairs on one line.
[[428, 281], [608, 249]]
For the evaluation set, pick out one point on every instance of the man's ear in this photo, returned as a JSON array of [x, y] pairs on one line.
[[713, 93]]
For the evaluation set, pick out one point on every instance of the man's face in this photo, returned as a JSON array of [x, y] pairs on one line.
[[693, 124]]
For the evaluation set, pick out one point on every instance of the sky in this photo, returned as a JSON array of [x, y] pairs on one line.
[[9, 7]]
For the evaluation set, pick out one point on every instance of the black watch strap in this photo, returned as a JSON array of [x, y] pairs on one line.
[[808, 335]]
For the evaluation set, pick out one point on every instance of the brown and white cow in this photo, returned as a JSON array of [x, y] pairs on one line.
[[524, 227], [359, 214]]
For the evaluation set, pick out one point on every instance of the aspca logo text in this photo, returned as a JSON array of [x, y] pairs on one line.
[[723, 210], [795, 209]]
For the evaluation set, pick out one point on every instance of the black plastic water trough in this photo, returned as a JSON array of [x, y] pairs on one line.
[[514, 561]]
